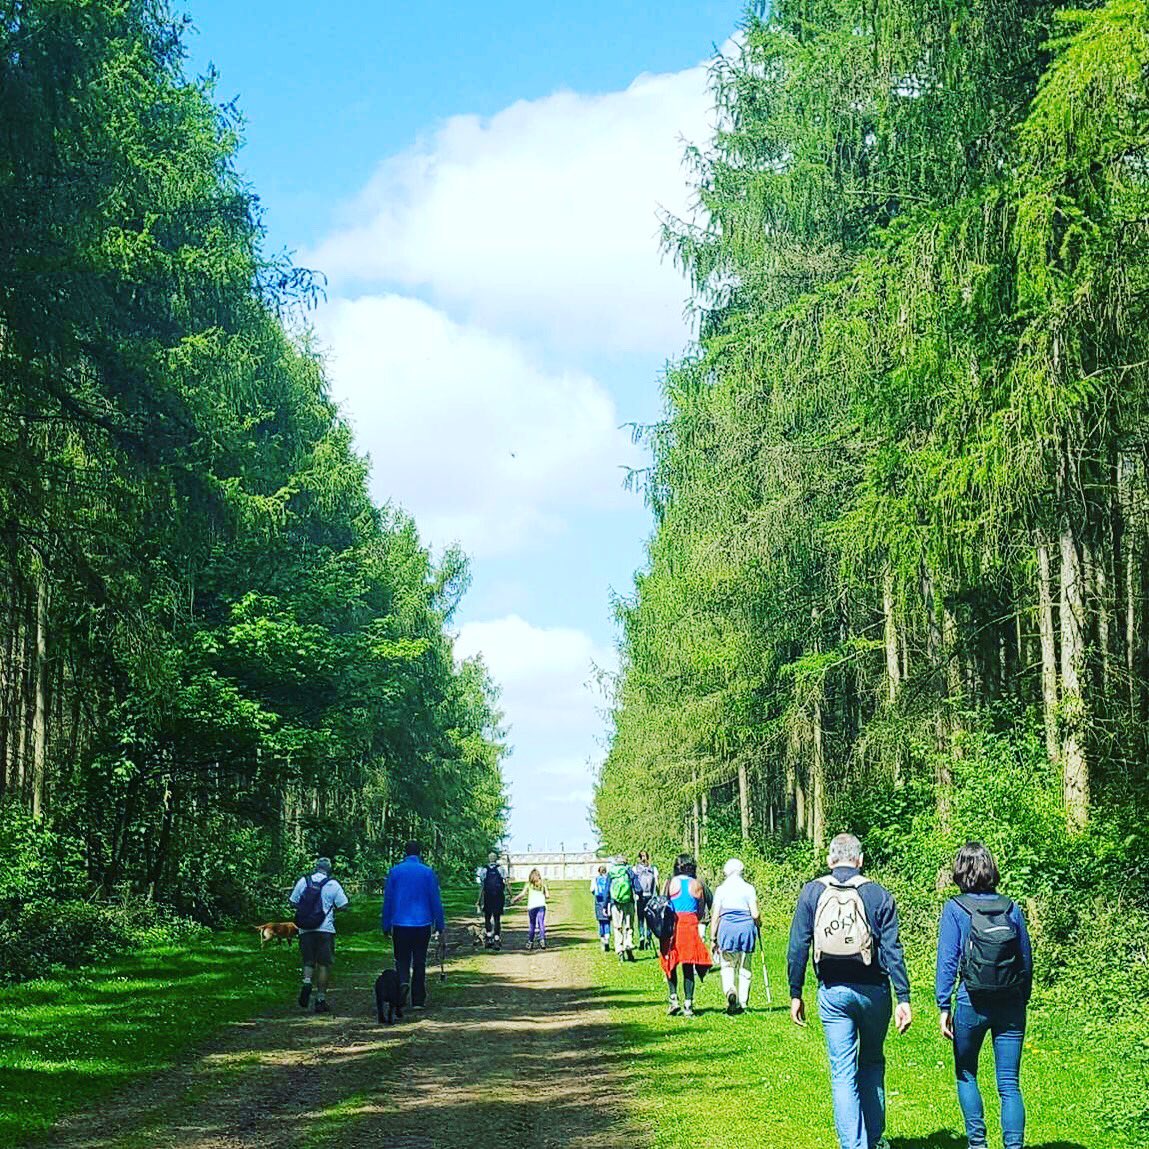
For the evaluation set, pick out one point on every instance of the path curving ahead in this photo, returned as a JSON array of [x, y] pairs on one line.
[[512, 1053]]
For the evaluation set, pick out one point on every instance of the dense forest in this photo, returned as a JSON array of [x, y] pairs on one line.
[[899, 581], [216, 654]]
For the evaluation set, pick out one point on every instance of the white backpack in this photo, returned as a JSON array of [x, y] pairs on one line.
[[841, 928]]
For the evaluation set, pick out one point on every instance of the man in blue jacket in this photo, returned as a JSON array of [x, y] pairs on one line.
[[852, 924], [412, 905]]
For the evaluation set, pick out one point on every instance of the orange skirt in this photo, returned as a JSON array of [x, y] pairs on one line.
[[686, 947]]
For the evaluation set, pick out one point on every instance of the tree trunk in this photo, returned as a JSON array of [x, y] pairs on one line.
[[744, 799], [1074, 760], [893, 663], [818, 783], [40, 692], [943, 777], [697, 816], [791, 814], [1049, 683]]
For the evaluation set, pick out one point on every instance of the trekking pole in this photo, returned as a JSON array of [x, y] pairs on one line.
[[765, 975]]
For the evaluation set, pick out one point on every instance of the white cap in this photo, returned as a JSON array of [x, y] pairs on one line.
[[734, 866]]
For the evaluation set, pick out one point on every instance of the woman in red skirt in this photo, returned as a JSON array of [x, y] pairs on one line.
[[685, 947]]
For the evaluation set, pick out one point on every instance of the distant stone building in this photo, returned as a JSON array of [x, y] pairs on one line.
[[555, 866]]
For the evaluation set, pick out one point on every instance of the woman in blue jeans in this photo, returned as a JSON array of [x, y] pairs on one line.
[[984, 951]]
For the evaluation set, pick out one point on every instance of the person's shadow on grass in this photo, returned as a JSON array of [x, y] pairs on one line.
[[946, 1139]]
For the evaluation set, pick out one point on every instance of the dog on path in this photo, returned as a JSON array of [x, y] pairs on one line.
[[276, 932], [388, 997]]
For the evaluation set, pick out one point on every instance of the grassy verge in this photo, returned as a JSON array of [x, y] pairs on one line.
[[68, 1041], [759, 1080]]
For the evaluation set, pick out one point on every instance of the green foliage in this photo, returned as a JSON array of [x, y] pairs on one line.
[[899, 578], [217, 655], [45, 935]]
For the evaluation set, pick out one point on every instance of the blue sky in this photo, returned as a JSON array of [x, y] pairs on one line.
[[481, 185]]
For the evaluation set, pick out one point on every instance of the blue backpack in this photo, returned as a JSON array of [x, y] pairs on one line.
[[601, 894]]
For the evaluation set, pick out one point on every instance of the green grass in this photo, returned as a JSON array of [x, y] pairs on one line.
[[709, 1083], [70, 1040], [758, 1079]]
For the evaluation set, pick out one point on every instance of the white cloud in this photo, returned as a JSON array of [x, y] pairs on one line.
[[548, 680], [465, 430], [552, 703], [540, 219]]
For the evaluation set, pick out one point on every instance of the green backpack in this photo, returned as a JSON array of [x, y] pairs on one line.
[[621, 891]]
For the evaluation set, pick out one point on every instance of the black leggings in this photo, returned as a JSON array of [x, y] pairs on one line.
[[687, 980], [493, 914]]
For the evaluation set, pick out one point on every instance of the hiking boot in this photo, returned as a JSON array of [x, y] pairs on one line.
[[687, 1009], [530, 946], [322, 1006], [304, 994], [542, 945], [732, 1006], [630, 955], [605, 946], [675, 1008]]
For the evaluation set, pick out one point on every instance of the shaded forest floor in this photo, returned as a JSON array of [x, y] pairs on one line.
[[510, 1052], [563, 1048]]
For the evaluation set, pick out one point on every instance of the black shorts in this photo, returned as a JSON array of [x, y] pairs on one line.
[[317, 947]]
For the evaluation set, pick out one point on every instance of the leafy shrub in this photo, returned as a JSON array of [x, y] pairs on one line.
[[225, 873], [45, 935], [38, 857]]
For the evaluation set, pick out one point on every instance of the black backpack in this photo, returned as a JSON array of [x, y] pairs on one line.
[[991, 962], [494, 885], [309, 911], [661, 917]]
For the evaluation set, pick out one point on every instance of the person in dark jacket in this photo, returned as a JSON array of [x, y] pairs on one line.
[[852, 924], [412, 905], [1000, 1012], [492, 879]]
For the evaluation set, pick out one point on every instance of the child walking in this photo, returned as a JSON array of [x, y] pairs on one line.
[[536, 892], [600, 889]]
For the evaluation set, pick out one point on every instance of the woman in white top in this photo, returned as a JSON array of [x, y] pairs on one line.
[[536, 892], [734, 922]]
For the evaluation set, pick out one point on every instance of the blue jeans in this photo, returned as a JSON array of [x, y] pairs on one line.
[[855, 1019], [1006, 1022]]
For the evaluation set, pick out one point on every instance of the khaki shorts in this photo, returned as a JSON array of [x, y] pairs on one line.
[[317, 947]]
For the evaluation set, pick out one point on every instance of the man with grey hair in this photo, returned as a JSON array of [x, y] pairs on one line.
[[852, 923], [316, 898]]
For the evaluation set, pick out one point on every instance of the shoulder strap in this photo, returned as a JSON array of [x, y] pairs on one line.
[[999, 905], [830, 882]]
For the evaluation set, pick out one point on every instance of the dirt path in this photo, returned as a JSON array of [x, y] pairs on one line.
[[510, 1054]]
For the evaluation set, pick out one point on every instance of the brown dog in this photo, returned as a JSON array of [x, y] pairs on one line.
[[276, 932]]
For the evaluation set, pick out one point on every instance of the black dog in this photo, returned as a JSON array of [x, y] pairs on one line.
[[388, 997]]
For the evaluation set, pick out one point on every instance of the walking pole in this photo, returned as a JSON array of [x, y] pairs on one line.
[[765, 975]]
